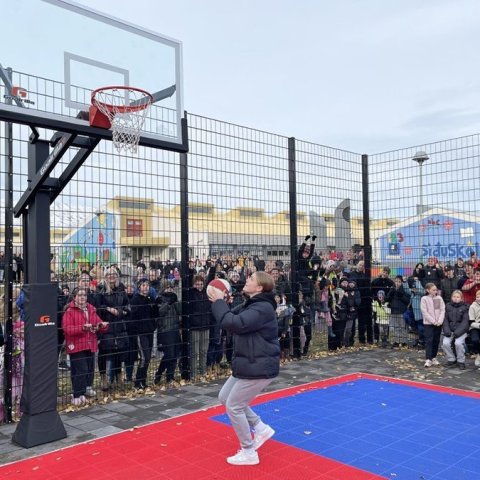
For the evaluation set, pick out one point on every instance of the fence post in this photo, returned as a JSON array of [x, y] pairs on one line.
[[184, 257], [367, 248], [8, 278], [292, 189]]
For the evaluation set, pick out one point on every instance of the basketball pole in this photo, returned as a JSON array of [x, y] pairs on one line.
[[40, 422]]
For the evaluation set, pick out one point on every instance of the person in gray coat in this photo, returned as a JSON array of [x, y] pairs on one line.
[[255, 362]]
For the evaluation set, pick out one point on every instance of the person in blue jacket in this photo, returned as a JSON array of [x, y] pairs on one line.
[[255, 362]]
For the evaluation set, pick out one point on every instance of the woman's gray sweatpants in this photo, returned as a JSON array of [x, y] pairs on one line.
[[236, 394]]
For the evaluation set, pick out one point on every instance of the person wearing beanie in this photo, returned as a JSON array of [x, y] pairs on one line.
[[433, 272], [168, 332], [365, 324], [398, 298], [143, 318], [385, 283], [381, 312], [448, 283]]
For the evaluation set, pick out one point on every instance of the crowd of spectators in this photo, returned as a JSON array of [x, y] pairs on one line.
[[113, 324]]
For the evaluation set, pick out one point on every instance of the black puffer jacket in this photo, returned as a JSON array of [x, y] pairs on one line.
[[398, 299], [199, 310], [456, 319], [169, 311], [256, 351], [144, 314], [116, 337]]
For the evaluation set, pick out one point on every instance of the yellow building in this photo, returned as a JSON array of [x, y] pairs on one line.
[[143, 229]]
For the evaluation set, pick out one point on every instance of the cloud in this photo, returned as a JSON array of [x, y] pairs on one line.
[[446, 120]]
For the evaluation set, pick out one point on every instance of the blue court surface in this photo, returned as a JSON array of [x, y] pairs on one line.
[[391, 428]]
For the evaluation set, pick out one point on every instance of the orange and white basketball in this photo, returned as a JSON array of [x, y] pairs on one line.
[[222, 285]]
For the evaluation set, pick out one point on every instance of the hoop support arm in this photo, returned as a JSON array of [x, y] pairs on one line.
[[43, 173], [75, 126]]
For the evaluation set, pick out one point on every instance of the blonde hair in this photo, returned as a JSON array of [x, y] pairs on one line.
[[265, 281], [429, 285]]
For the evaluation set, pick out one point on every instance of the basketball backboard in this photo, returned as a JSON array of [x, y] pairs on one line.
[[75, 50]]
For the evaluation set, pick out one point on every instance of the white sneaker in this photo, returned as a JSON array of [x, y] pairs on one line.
[[261, 437], [428, 363], [242, 457], [477, 361], [90, 392], [435, 362], [77, 401], [83, 400]]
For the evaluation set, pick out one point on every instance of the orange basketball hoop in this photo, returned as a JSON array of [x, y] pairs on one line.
[[123, 109]]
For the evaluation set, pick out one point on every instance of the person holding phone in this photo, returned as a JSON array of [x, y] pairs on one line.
[[81, 324]]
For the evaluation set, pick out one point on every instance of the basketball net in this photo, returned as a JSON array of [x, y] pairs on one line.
[[126, 109]]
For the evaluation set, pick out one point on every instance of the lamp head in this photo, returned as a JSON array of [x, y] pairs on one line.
[[420, 157]]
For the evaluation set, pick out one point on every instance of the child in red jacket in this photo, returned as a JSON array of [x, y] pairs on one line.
[[80, 324]]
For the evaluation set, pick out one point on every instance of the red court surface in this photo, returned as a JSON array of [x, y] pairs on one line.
[[194, 446]]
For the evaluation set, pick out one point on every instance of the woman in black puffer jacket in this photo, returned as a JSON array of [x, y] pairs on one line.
[[255, 363], [114, 308]]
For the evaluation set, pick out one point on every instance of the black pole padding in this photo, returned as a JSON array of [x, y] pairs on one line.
[[40, 422]]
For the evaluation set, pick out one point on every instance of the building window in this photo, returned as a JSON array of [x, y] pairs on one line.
[[134, 227], [250, 213], [200, 209], [134, 205]]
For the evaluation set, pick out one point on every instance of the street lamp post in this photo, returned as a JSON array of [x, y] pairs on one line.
[[420, 157]]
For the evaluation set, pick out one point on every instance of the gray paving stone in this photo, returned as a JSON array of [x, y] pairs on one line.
[[92, 426], [104, 431]]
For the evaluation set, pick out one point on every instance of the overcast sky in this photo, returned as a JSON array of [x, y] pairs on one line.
[[362, 75]]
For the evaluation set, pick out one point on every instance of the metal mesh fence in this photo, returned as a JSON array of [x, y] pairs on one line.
[[254, 201]]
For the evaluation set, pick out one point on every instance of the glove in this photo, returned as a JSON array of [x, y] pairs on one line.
[[307, 238], [475, 325], [314, 238]]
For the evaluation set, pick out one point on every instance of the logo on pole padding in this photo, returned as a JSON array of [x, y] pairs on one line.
[[44, 321]]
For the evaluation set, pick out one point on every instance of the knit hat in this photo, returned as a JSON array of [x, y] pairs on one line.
[[143, 280], [165, 284], [381, 293]]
